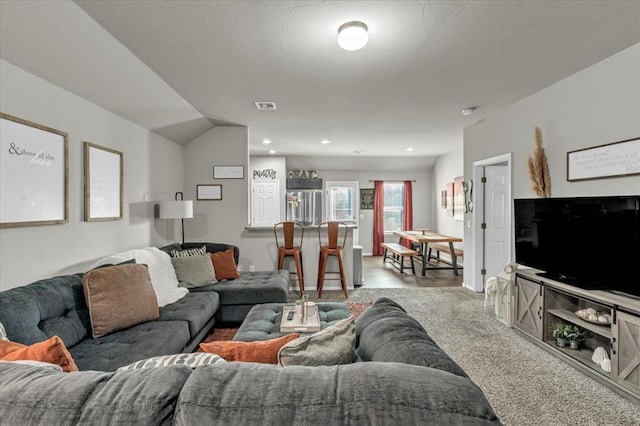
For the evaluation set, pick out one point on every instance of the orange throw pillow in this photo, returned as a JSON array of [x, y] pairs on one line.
[[51, 350], [225, 265], [264, 351]]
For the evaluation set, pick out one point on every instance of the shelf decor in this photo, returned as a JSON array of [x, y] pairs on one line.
[[228, 172], [539, 168], [609, 160], [34, 187], [103, 183], [209, 192]]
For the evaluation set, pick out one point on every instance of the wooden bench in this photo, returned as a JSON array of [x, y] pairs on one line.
[[398, 253], [457, 252]]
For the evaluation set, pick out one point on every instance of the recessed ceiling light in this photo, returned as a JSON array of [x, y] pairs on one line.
[[325, 142], [266, 141], [265, 105], [272, 151], [409, 149], [353, 35], [469, 111]]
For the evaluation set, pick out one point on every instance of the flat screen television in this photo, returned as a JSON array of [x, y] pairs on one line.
[[587, 242]]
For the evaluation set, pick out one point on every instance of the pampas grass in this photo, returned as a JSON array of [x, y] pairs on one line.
[[539, 168]]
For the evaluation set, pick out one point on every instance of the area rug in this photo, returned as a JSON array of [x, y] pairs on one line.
[[223, 334]]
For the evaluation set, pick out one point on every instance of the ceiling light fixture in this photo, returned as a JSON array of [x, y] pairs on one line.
[[409, 149], [353, 35], [273, 151], [325, 142], [469, 111], [266, 141]]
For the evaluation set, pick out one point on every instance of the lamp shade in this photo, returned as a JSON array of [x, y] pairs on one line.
[[176, 209], [353, 35]]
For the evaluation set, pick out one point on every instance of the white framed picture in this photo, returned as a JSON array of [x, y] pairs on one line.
[[103, 183], [34, 167], [228, 172]]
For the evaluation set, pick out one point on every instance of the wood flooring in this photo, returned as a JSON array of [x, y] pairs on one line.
[[379, 275]]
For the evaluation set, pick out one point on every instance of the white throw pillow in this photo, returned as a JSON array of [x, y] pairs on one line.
[[192, 360], [163, 276]]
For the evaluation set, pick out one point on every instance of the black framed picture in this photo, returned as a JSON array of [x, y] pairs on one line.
[[366, 199]]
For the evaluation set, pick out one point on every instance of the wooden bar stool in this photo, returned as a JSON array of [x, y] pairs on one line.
[[288, 230], [331, 248]]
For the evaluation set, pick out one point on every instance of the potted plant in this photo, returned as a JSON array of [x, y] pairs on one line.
[[560, 334], [575, 335]]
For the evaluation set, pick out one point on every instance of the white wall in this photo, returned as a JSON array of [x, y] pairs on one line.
[[598, 105], [448, 167], [152, 169]]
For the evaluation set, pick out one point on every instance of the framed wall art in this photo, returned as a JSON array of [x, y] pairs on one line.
[[228, 172], [449, 200], [103, 183], [34, 167], [458, 198], [603, 161], [208, 192], [366, 199]]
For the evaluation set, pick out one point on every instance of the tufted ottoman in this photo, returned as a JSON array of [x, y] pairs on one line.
[[263, 321], [238, 296]]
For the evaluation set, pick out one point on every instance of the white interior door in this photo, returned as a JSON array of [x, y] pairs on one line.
[[497, 218], [265, 202]]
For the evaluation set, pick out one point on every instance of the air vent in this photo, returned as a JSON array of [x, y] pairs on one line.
[[266, 106]]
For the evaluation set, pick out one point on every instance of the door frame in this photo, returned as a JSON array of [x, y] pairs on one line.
[[477, 260]]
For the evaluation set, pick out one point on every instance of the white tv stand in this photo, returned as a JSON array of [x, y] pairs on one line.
[[540, 303]]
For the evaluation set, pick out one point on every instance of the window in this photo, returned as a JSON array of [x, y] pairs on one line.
[[393, 202], [341, 201]]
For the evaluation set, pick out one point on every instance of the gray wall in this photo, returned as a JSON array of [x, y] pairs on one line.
[[598, 105], [224, 220], [153, 170], [422, 193]]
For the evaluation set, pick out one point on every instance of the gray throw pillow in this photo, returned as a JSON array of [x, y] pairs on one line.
[[331, 346], [194, 271]]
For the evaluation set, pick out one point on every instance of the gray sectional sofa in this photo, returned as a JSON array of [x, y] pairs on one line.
[[238, 296], [57, 306], [402, 378]]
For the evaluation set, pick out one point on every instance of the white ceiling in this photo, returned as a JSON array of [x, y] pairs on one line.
[[179, 67]]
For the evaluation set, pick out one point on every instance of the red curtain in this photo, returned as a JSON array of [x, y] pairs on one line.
[[378, 217], [407, 210]]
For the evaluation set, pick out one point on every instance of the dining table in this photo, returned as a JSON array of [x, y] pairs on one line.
[[424, 237]]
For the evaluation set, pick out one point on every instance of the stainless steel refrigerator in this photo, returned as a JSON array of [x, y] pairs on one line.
[[304, 206]]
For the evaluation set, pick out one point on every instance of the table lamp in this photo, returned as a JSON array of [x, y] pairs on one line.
[[178, 209]]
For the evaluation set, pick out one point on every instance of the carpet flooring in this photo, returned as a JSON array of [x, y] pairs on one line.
[[524, 384]]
